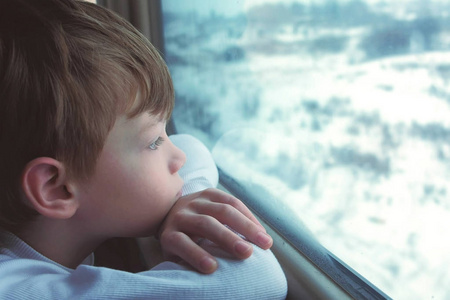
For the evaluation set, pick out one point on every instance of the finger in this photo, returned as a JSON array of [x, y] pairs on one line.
[[234, 218], [219, 196], [180, 245], [211, 229]]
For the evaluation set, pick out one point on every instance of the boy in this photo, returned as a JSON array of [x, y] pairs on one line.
[[84, 157]]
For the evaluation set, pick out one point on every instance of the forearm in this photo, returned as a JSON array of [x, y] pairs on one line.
[[258, 277]]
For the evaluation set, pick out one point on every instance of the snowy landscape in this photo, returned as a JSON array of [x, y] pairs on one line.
[[340, 109]]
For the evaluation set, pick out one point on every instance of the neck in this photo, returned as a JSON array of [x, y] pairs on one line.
[[56, 240]]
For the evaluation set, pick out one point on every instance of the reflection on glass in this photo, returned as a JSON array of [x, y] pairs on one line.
[[341, 109]]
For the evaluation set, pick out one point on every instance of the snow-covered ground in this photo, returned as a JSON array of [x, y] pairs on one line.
[[358, 147]]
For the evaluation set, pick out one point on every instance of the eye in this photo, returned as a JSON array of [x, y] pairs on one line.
[[156, 144]]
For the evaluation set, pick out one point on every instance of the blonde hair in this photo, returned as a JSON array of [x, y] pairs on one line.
[[67, 70]]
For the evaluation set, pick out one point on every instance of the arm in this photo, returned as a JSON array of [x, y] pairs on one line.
[[202, 214], [200, 171], [27, 275]]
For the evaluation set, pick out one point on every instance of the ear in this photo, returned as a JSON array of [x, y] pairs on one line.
[[46, 186]]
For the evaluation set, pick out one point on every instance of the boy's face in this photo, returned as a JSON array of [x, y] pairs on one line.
[[135, 182]]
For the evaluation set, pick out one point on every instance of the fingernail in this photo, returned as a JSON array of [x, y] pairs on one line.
[[263, 239], [242, 247], [208, 264]]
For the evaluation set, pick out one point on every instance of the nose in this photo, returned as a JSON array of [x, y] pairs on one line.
[[178, 159]]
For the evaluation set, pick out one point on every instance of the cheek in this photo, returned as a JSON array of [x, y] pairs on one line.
[[138, 183]]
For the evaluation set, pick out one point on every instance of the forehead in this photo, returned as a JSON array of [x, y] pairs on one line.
[[126, 131], [147, 121], [153, 101], [140, 123]]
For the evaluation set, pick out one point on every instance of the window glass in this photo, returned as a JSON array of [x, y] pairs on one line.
[[338, 108]]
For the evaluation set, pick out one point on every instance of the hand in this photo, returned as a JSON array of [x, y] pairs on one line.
[[203, 215]]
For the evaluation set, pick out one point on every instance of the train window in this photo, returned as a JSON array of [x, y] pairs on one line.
[[337, 109]]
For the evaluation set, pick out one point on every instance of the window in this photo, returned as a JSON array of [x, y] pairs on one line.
[[339, 109]]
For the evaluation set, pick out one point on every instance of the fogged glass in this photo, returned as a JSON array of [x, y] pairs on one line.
[[340, 109]]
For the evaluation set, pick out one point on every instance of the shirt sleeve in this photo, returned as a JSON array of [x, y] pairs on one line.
[[200, 171], [258, 277]]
